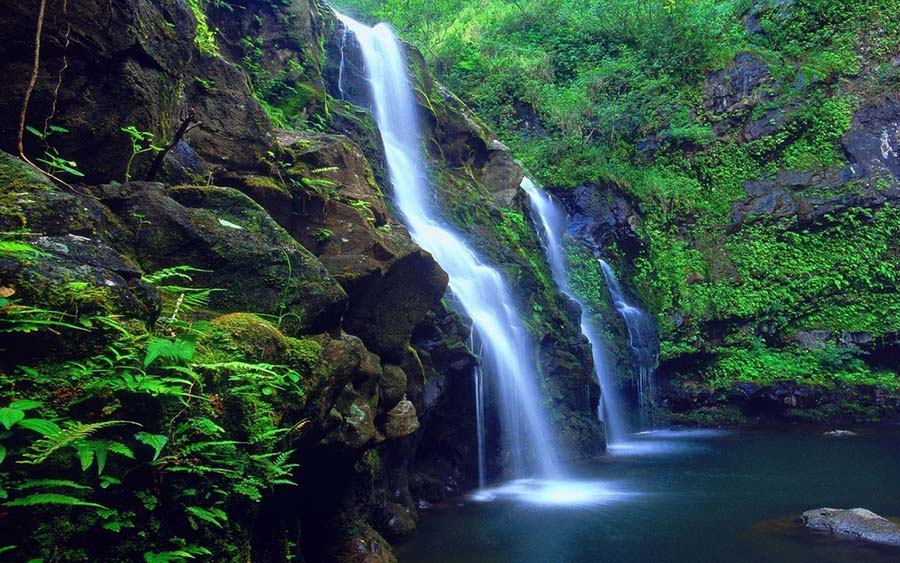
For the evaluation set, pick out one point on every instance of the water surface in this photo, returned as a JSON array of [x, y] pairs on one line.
[[691, 496]]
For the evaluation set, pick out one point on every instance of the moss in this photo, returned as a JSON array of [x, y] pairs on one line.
[[17, 177], [240, 336]]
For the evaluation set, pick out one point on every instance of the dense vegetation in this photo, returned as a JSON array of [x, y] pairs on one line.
[[628, 93]]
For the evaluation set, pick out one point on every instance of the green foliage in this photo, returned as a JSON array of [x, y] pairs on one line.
[[214, 441], [141, 142], [204, 37], [51, 159], [620, 93]]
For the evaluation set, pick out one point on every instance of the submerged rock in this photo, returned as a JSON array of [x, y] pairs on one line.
[[840, 434], [855, 523]]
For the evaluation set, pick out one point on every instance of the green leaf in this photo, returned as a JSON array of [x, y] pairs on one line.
[[25, 404], [101, 459], [155, 441], [51, 498], [86, 457], [41, 426], [2, 453], [8, 417]]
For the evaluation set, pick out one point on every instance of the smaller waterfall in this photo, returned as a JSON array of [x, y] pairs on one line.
[[640, 341], [340, 83], [478, 381], [551, 231]]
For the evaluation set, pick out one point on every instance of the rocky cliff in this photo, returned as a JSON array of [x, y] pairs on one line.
[[217, 338]]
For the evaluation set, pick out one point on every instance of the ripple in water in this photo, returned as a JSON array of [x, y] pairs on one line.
[[665, 442], [554, 492]]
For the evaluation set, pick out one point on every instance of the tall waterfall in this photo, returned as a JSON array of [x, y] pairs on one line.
[[552, 229], [640, 341], [508, 357]]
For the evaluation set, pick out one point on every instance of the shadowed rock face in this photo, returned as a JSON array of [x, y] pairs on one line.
[[127, 63], [853, 523]]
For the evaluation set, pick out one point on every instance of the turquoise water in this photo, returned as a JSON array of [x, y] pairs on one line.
[[679, 497]]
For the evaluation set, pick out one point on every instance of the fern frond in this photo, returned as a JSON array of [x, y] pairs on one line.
[[51, 498], [50, 484], [45, 447], [178, 272]]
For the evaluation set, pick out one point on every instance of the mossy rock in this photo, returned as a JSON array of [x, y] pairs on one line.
[[245, 337], [258, 266]]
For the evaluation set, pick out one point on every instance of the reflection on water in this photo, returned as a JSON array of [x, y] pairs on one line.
[[692, 496]]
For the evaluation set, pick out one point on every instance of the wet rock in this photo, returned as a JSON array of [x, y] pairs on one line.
[[399, 523], [840, 434], [401, 420], [602, 214], [738, 86], [873, 142], [853, 523]]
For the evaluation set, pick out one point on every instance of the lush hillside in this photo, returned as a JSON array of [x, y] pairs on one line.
[[755, 141]]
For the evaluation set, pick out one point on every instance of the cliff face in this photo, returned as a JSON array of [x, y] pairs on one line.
[[241, 289]]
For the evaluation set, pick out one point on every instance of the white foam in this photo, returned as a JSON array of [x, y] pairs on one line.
[[553, 492]]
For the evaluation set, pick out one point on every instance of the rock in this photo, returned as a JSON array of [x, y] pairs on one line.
[[873, 142], [390, 281], [393, 386], [399, 521], [854, 523], [254, 263], [840, 434], [602, 214], [127, 64], [737, 86], [401, 420]]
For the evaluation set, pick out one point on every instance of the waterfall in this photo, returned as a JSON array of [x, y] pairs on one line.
[[340, 83], [640, 341], [552, 229], [508, 357]]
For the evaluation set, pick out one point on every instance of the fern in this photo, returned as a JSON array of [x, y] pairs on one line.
[[51, 484], [214, 516], [19, 250], [179, 351], [176, 272], [89, 450], [77, 432], [155, 441], [38, 499]]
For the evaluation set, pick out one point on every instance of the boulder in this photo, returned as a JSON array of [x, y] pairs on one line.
[[254, 263], [393, 386], [853, 523], [401, 420], [336, 209]]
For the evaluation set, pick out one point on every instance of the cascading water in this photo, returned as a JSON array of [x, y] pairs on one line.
[[640, 340], [551, 230], [340, 83], [508, 356]]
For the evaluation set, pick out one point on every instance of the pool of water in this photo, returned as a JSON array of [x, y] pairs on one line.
[[691, 496]]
